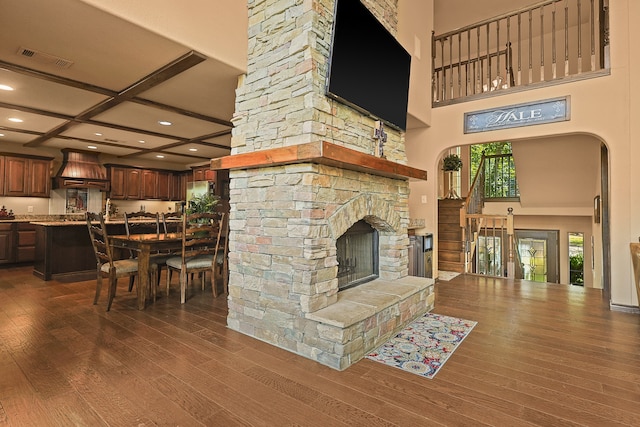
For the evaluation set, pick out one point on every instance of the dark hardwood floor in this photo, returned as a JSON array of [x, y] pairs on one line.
[[545, 355]]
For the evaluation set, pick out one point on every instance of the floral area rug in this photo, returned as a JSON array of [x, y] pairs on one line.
[[425, 345]]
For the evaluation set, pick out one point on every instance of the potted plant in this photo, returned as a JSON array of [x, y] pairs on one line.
[[451, 163], [205, 203]]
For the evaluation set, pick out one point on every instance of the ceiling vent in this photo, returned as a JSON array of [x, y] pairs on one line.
[[45, 58]]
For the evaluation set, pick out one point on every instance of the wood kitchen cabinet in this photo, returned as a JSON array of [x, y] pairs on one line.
[[16, 176], [1, 175], [149, 187], [6, 243], [124, 183], [130, 183], [39, 178], [133, 184], [25, 237], [178, 187], [117, 177], [204, 173], [26, 176], [17, 242], [163, 188]]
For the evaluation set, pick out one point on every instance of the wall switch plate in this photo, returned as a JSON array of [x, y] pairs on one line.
[[29, 209], [424, 199]]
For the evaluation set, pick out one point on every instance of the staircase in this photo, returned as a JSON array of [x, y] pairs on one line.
[[450, 253]]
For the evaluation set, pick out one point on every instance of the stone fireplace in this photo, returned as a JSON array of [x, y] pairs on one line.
[[302, 173], [289, 207]]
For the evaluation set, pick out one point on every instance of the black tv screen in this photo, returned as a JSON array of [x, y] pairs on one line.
[[368, 68]]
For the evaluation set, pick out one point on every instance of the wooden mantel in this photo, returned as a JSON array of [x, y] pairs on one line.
[[320, 152]]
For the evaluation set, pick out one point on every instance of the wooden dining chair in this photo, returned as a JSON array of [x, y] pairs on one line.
[[171, 222], [222, 256], [143, 222], [106, 265], [201, 243]]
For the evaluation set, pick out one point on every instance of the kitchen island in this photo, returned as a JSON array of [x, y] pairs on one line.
[[64, 251]]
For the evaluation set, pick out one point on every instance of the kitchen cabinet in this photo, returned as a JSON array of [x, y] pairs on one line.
[[26, 176], [149, 187], [117, 178], [163, 188], [130, 183], [25, 237], [133, 182], [6, 243], [204, 173], [1, 175], [178, 187], [17, 242], [16, 176], [39, 178]]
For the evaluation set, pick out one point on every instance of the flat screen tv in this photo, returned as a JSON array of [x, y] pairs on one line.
[[368, 68]]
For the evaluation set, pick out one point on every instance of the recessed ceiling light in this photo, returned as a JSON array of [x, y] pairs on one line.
[[92, 147], [97, 134], [1, 134], [193, 149], [165, 123], [5, 87], [160, 156], [142, 141], [15, 120]]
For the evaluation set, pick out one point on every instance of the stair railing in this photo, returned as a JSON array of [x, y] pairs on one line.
[[487, 240]]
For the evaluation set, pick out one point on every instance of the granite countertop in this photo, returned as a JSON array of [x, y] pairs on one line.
[[71, 222], [57, 220]]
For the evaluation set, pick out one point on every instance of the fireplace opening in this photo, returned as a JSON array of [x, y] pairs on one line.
[[357, 253]]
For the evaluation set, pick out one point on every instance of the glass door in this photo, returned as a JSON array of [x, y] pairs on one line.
[[538, 250]]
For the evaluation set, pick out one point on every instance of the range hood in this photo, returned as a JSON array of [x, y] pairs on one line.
[[81, 169]]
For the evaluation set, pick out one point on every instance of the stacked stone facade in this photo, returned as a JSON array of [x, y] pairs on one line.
[[285, 219], [281, 100]]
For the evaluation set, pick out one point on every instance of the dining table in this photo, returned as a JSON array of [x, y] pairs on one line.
[[145, 245]]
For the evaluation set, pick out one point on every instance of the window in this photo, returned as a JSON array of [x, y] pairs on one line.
[[576, 259]]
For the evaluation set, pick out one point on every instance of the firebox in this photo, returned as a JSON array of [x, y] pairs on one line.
[[357, 254]]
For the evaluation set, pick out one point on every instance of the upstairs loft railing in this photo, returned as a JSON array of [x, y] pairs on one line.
[[550, 42]]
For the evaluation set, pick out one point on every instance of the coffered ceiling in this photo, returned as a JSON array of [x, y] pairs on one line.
[[84, 78]]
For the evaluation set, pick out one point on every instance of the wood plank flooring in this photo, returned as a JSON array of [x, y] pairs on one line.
[[541, 355]]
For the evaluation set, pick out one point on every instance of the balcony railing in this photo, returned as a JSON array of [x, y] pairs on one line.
[[549, 42]]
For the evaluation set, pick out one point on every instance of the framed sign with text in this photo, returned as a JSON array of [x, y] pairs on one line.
[[511, 116]]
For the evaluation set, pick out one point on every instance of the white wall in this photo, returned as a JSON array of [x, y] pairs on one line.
[[415, 19], [604, 107], [216, 28]]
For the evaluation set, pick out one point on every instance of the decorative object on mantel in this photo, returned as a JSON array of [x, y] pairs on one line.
[[425, 345], [4, 215], [381, 136], [450, 164]]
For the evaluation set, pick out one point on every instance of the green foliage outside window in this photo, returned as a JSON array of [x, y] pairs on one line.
[[503, 147], [499, 169], [576, 271]]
